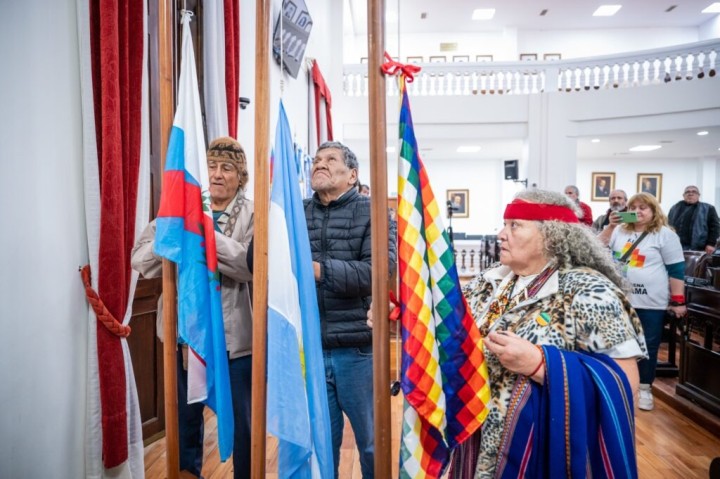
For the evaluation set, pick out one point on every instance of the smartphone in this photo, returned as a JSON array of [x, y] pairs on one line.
[[628, 216]]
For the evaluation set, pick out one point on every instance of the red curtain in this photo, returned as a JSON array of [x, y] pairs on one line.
[[232, 61], [322, 92], [116, 28]]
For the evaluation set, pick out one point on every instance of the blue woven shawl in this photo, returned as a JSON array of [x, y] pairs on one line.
[[579, 424]]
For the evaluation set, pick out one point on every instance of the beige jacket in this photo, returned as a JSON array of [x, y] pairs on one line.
[[236, 289]]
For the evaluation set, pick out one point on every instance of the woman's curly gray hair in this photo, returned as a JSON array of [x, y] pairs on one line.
[[572, 245]]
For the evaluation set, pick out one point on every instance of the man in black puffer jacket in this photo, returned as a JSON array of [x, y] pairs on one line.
[[338, 220]]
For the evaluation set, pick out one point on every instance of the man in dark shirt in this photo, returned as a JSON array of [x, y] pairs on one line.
[[695, 222]]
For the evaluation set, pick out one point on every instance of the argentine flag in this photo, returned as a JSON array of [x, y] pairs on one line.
[[297, 409]]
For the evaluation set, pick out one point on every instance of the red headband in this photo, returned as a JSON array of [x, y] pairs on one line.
[[522, 210]]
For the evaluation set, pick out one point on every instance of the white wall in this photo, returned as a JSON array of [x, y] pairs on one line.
[[327, 20], [710, 29], [43, 311], [550, 124], [507, 44], [676, 175], [595, 42]]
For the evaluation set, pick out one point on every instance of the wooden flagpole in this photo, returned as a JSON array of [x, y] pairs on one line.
[[379, 222], [260, 257], [169, 286]]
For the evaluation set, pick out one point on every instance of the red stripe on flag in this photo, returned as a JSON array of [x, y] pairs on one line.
[[210, 247], [184, 200]]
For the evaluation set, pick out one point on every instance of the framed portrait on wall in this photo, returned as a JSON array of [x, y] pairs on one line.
[[461, 58], [459, 202], [650, 183], [414, 59], [528, 57], [437, 59], [552, 56], [483, 58], [601, 186]]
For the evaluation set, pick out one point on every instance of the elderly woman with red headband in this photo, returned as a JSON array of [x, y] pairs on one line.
[[561, 343]]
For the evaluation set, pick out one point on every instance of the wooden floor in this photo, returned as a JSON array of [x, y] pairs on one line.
[[676, 440]]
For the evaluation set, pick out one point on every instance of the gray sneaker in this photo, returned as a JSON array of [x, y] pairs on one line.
[[646, 401]]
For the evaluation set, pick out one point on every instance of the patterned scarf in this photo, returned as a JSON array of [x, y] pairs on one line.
[[234, 214]]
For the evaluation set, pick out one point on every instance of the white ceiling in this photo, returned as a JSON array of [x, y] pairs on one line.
[[455, 16]]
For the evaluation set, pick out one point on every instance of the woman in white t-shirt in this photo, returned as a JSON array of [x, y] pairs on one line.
[[655, 269]]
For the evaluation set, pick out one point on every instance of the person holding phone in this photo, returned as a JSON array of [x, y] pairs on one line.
[[652, 260], [602, 225]]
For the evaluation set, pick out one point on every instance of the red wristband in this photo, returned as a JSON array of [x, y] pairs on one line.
[[678, 298], [542, 361]]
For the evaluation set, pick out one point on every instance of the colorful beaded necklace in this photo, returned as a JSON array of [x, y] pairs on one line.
[[505, 300]]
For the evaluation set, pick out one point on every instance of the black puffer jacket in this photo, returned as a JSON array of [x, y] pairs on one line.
[[340, 242]]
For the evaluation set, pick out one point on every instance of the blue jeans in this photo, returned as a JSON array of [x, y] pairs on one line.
[[349, 382], [191, 422], [652, 323]]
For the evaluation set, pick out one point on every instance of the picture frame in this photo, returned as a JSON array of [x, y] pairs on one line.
[[528, 57], [650, 183], [438, 59], [461, 58], [459, 200], [552, 56], [483, 58], [415, 59], [601, 185]]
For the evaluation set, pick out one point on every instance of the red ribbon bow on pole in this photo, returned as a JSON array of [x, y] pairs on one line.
[[391, 67], [395, 313]]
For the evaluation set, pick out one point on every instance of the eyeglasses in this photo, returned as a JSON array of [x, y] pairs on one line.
[[691, 192]]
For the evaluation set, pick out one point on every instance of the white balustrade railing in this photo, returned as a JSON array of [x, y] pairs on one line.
[[475, 255], [627, 70]]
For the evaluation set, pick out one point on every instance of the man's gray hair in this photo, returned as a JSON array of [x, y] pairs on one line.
[[621, 191], [348, 156], [574, 188], [572, 245]]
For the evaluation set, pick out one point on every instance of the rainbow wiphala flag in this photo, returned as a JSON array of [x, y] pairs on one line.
[[445, 379]]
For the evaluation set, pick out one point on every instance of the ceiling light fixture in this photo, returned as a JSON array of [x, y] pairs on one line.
[[468, 149], [606, 10], [703, 133], [670, 8], [595, 140], [483, 13], [543, 12], [712, 8], [645, 148]]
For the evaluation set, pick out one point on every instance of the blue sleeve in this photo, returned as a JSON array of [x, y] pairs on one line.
[[676, 270]]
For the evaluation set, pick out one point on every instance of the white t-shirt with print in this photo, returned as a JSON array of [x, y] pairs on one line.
[[645, 268]]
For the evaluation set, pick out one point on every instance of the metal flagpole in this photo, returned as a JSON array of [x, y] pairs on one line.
[[379, 222], [260, 258], [169, 286]]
